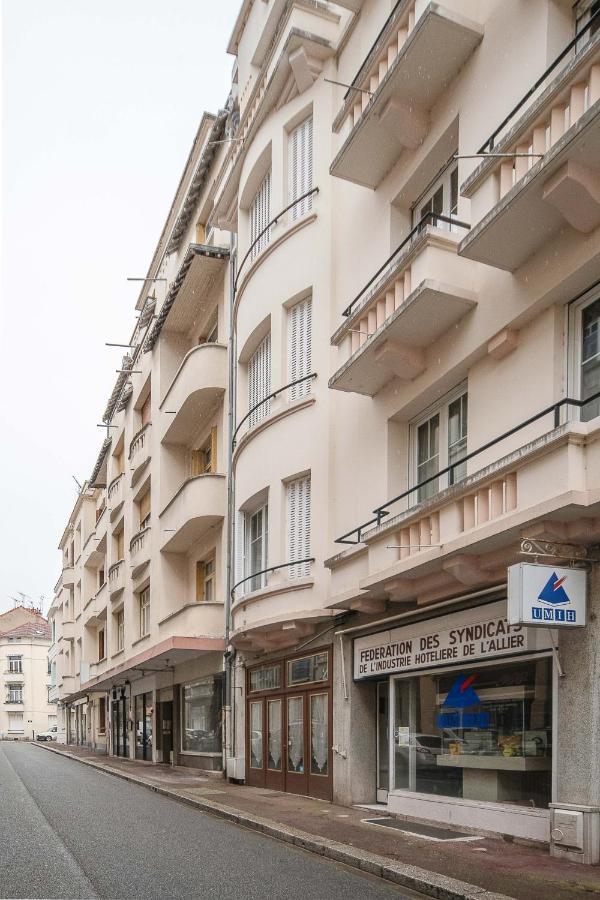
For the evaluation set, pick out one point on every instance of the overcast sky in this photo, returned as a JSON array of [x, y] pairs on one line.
[[101, 102]]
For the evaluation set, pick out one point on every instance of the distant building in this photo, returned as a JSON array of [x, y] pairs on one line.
[[24, 643]]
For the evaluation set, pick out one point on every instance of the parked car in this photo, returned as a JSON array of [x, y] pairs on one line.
[[50, 735]]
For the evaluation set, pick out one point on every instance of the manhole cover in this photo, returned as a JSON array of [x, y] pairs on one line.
[[429, 832]]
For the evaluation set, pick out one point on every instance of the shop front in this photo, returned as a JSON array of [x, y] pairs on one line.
[[465, 716], [288, 725], [119, 723]]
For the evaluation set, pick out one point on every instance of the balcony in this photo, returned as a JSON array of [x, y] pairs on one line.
[[116, 495], [199, 384], [419, 293], [552, 184], [139, 452], [116, 579], [96, 605], [139, 550], [68, 576], [68, 684], [199, 504], [388, 112], [67, 631], [53, 693]]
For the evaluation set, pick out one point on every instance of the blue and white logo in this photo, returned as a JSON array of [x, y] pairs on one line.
[[554, 595], [462, 696]]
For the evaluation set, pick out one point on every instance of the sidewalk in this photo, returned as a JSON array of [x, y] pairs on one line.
[[444, 870]]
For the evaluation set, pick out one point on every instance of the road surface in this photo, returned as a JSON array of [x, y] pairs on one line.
[[67, 830]]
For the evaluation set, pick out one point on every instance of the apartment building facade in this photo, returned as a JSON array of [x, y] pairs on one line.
[[26, 706], [403, 252]]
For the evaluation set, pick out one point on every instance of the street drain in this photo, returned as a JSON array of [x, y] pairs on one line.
[[427, 832]]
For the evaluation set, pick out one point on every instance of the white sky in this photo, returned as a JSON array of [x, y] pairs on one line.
[[101, 102]]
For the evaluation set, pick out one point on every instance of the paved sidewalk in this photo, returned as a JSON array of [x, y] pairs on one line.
[[489, 865]]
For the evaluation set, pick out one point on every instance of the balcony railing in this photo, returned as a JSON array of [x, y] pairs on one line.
[[115, 486], [266, 399], [138, 441], [116, 579], [296, 567], [138, 541], [477, 507]]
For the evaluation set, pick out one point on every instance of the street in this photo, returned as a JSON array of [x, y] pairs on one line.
[[69, 831]]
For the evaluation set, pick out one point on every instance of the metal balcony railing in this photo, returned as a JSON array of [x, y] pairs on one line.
[[287, 565], [355, 536], [266, 399]]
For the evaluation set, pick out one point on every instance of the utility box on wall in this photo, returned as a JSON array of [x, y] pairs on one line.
[[236, 768], [575, 832]]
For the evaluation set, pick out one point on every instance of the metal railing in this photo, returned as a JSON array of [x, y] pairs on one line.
[[381, 511], [267, 398], [429, 218], [488, 146], [286, 565], [365, 64], [269, 225]]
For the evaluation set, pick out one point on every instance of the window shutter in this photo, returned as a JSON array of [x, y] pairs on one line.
[[200, 573], [299, 342], [259, 380], [240, 553], [260, 212], [197, 462], [300, 166], [298, 492], [145, 506], [213, 449], [146, 411]]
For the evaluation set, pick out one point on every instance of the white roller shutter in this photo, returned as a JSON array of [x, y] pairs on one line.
[[299, 344], [298, 503], [300, 166], [260, 213], [259, 381]]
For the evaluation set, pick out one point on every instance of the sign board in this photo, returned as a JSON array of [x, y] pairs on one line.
[[546, 596], [471, 634]]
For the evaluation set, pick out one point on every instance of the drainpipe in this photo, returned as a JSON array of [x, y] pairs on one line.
[[229, 658]]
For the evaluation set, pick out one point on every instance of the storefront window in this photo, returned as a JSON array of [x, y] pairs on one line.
[[266, 678], [201, 716], [482, 733], [143, 726], [307, 669]]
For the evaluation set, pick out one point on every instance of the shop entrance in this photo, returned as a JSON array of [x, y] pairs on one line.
[[119, 727], [288, 725], [144, 709], [165, 713]]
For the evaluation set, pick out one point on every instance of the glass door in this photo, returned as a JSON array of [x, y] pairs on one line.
[[319, 762], [383, 741], [275, 778], [256, 751], [296, 746], [403, 754]]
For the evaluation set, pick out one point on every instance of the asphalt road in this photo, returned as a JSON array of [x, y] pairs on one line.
[[69, 831]]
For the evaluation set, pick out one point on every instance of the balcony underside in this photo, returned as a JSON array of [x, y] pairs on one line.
[[395, 350], [560, 191], [199, 505], [189, 417], [396, 118], [279, 633]]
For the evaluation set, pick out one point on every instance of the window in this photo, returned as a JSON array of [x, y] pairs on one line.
[[260, 213], [259, 381], [101, 644], [256, 526], [440, 198], [145, 612], [102, 715], [146, 410], [120, 622], [15, 723], [299, 347], [15, 663], [204, 460], [265, 678], [298, 503], [439, 440], [121, 545], [590, 359], [584, 10], [308, 669], [101, 577], [144, 510], [205, 580], [201, 704], [300, 166], [210, 332], [15, 693]]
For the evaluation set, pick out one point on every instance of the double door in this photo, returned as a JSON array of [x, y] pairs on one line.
[[289, 742], [119, 727]]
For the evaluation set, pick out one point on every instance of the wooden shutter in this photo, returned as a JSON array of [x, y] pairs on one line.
[[145, 506], [298, 495], [213, 449], [299, 344], [146, 411], [197, 462], [300, 166], [260, 213], [200, 574], [259, 380], [200, 233], [120, 545]]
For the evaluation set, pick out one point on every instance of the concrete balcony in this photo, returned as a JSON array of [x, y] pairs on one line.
[[422, 292], [465, 536], [116, 579], [390, 113], [68, 576], [200, 503], [116, 495], [68, 684], [102, 517], [198, 386], [67, 631], [53, 693], [139, 550], [552, 185], [139, 452], [196, 619], [95, 608]]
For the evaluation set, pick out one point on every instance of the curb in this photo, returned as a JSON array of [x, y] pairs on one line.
[[430, 883]]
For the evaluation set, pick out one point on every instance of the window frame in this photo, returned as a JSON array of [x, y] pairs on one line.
[[300, 178], [575, 348], [120, 628], [441, 409], [443, 180], [144, 603], [263, 511]]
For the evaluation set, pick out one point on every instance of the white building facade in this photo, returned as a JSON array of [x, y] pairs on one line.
[[27, 707]]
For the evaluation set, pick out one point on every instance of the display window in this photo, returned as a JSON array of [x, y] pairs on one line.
[[479, 733], [201, 716]]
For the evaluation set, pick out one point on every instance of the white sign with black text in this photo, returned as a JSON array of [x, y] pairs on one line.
[[546, 596], [471, 634]]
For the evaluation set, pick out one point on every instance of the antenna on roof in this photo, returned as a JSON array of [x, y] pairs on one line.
[[79, 486]]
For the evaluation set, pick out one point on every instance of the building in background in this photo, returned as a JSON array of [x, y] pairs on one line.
[[364, 381], [24, 642]]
